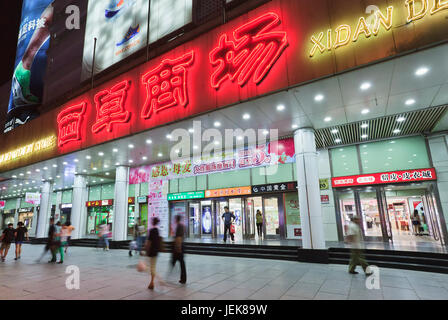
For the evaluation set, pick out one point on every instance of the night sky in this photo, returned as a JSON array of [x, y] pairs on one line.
[[10, 12]]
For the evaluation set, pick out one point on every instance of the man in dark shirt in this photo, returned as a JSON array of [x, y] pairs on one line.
[[50, 243], [227, 217], [178, 250], [152, 248], [7, 238], [21, 233]]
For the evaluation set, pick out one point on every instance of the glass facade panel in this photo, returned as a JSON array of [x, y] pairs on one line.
[[187, 184], [174, 186], [201, 182], [94, 193], [107, 191], [258, 176], [10, 204], [23, 204], [53, 198], [67, 196], [238, 178], [131, 190], [283, 174], [397, 154], [344, 161], [144, 189]]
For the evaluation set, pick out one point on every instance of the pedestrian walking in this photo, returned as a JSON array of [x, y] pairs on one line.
[[228, 218], [67, 230], [21, 234], [178, 250], [50, 243], [354, 237], [140, 234], [103, 236], [152, 248], [7, 238], [57, 244], [259, 220]]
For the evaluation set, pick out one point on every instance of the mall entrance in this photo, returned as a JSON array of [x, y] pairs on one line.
[[405, 213], [204, 218]]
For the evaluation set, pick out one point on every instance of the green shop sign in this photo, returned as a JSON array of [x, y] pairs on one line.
[[186, 195]]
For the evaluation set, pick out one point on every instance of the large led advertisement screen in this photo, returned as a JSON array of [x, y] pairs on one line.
[[120, 27], [30, 63]]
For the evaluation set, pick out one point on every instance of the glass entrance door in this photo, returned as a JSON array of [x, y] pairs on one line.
[[194, 219], [370, 214], [236, 206], [271, 217], [219, 225], [250, 215]]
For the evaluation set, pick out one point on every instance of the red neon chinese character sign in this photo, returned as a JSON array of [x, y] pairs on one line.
[[69, 123], [253, 53], [166, 85], [110, 107]]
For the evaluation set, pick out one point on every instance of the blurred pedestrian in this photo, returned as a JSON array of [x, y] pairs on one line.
[[354, 237], [7, 238], [259, 219], [227, 217], [21, 233], [57, 244], [50, 242], [152, 248], [67, 230], [103, 236], [140, 234], [178, 250]]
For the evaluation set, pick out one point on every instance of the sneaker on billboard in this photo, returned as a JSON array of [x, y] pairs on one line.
[[132, 32], [21, 92], [116, 7]]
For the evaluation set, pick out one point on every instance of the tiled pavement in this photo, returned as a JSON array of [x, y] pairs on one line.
[[113, 275]]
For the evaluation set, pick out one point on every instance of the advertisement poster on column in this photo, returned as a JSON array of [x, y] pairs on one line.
[[207, 219], [31, 61], [158, 205], [120, 27], [293, 224]]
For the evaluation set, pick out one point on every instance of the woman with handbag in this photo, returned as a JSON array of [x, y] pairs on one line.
[[152, 248]]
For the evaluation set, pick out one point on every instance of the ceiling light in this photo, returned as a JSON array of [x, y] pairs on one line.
[[130, 161], [365, 111], [191, 130], [421, 71], [334, 131], [28, 172], [294, 126], [397, 131], [55, 166], [338, 140], [94, 181], [364, 136], [246, 116], [65, 163], [76, 160], [265, 132], [117, 163], [327, 119], [365, 125], [84, 170], [239, 138], [106, 166], [410, 102], [101, 179], [107, 173], [115, 150], [100, 154], [21, 174], [144, 158], [280, 107], [217, 124], [160, 155], [131, 146], [195, 147], [88, 157], [95, 169], [366, 86], [401, 119], [45, 168], [37, 170], [58, 177], [216, 143], [319, 97], [148, 141]]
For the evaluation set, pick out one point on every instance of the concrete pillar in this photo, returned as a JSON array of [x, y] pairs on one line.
[[308, 187], [45, 209], [78, 206], [121, 204]]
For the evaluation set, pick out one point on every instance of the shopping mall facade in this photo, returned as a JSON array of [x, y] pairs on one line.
[[356, 96]]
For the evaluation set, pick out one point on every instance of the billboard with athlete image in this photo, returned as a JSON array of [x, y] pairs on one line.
[[30, 63], [120, 27]]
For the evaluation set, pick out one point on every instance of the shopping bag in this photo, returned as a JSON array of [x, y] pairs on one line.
[[232, 228]]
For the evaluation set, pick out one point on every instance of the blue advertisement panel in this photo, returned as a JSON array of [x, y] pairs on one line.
[[31, 60], [206, 220]]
